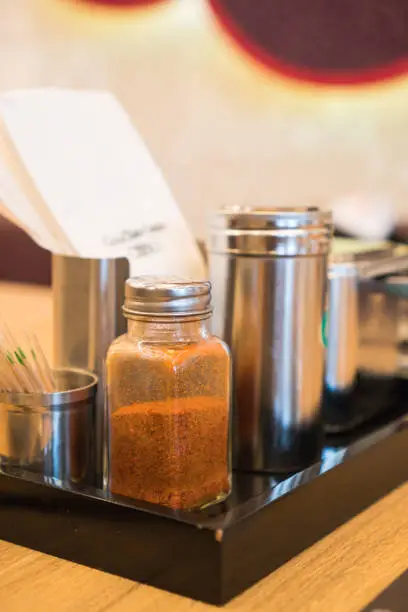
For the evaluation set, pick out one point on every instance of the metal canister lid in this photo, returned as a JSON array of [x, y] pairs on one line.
[[74, 386], [166, 296], [271, 231], [366, 259]]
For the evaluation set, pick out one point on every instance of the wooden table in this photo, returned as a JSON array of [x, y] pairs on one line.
[[341, 573]]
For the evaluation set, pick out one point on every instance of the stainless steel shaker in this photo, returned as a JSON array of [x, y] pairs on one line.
[[268, 268], [342, 327], [366, 331], [363, 317]]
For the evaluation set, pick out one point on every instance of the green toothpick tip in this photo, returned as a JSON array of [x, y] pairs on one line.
[[20, 361]]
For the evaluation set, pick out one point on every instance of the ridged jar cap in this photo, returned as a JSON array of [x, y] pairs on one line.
[[166, 296]]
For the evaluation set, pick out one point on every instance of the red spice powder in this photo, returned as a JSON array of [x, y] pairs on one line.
[[172, 452]]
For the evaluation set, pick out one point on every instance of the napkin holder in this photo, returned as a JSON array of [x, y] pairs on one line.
[[87, 315]]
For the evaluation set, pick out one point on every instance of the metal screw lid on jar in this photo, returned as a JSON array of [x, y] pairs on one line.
[[147, 296], [271, 231]]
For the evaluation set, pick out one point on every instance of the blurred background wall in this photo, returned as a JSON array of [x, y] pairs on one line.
[[264, 102]]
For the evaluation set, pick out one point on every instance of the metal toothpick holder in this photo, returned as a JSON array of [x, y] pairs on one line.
[[52, 433]]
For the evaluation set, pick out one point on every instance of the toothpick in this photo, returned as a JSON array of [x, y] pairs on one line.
[[23, 366]]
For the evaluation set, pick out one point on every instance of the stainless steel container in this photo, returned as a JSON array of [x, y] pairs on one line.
[[88, 297], [269, 274], [52, 433], [350, 262], [364, 315], [342, 327], [87, 303]]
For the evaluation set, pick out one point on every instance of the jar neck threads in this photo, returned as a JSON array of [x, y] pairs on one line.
[[169, 330]]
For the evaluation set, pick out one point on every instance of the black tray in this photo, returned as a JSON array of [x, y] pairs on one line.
[[369, 397], [216, 554]]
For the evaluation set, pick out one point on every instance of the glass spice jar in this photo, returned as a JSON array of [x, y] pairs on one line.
[[168, 385]]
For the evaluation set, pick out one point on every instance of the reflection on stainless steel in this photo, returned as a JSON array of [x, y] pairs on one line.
[[378, 331], [52, 433], [70, 284], [88, 296], [384, 314], [87, 299], [342, 344], [269, 272], [367, 316]]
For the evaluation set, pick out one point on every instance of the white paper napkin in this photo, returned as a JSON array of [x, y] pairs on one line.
[[77, 176]]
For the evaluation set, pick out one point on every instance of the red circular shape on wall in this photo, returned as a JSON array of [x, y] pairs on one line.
[[123, 3], [339, 42]]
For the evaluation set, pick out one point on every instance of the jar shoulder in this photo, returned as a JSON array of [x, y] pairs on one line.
[[222, 346], [128, 346], [140, 371]]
